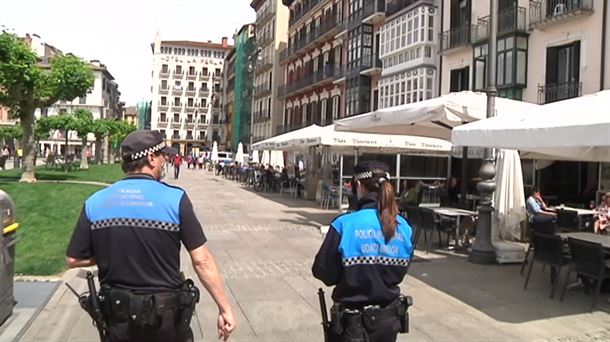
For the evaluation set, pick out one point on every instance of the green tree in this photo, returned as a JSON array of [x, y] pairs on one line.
[[10, 132], [63, 122], [83, 126], [100, 128], [119, 130], [26, 84]]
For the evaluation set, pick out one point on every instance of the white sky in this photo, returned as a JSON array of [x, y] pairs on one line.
[[119, 32]]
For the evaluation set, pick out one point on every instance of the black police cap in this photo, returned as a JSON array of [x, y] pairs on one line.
[[371, 169], [141, 143]]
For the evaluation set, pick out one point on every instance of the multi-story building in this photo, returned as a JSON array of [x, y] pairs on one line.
[[144, 113], [228, 95], [407, 47], [102, 100], [186, 92], [245, 45], [130, 115], [271, 28], [548, 50], [314, 62]]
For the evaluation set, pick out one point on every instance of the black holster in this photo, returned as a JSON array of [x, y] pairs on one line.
[[122, 305], [188, 297], [355, 325]]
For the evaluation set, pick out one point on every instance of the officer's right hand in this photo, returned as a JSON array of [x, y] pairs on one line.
[[226, 324]]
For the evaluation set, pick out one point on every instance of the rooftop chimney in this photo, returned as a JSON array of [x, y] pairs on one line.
[[224, 42]]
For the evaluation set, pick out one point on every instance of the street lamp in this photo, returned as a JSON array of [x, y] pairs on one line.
[[482, 250]]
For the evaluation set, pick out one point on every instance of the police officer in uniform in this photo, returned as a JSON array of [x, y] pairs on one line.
[[132, 231], [365, 255]]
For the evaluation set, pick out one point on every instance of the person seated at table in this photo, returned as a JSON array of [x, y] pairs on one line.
[[453, 191], [602, 217], [537, 209], [408, 197]]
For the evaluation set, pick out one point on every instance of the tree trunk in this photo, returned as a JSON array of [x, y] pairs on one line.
[[83, 153], [28, 144], [98, 149], [106, 154], [66, 150]]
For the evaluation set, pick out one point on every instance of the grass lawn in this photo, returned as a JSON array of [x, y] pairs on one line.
[[106, 173], [47, 213]]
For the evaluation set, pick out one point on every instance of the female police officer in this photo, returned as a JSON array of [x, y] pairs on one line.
[[365, 254]]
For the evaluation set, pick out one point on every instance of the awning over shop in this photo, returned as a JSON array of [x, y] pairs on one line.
[[433, 118], [574, 129]]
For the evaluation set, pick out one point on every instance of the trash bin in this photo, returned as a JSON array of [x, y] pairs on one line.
[[8, 239]]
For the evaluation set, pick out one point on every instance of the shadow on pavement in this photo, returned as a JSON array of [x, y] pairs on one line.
[[497, 290]]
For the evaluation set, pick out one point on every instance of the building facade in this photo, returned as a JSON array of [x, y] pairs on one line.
[[228, 98], [409, 52], [245, 45], [271, 37], [314, 61], [186, 92], [548, 50]]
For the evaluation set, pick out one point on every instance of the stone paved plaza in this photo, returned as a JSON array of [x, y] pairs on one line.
[[265, 245]]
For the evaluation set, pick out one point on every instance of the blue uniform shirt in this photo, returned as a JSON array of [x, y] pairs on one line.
[[356, 258]]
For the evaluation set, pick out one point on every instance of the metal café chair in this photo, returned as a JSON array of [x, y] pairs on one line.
[[588, 261], [548, 251]]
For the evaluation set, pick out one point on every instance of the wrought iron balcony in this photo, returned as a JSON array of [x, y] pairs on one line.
[[178, 74], [190, 123], [373, 11], [265, 15], [191, 91], [326, 74], [326, 29], [301, 11], [176, 137], [457, 37], [509, 20], [204, 92], [191, 108], [204, 76], [371, 65], [191, 76], [177, 91], [544, 13], [164, 73], [163, 90], [176, 124], [556, 92], [262, 90], [163, 105]]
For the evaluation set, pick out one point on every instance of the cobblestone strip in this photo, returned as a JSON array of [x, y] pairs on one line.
[[597, 335], [266, 269], [258, 228]]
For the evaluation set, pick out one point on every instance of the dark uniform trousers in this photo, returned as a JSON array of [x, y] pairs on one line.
[[165, 329], [165, 332], [384, 330]]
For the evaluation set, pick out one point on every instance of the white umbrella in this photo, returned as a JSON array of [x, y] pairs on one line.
[[279, 159], [255, 158], [509, 200], [574, 129], [266, 158], [214, 157], [432, 118], [239, 156]]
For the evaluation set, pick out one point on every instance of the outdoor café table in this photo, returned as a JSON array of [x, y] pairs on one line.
[[583, 214], [590, 237], [454, 213]]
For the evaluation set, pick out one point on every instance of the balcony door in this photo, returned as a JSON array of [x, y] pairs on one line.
[[562, 72]]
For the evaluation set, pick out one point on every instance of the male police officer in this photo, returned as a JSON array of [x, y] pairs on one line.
[[132, 231]]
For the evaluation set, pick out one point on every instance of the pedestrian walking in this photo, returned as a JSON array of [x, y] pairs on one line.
[[177, 162], [365, 255], [132, 230], [4, 155]]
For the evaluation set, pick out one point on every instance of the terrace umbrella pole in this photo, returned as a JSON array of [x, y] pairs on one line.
[[482, 250]]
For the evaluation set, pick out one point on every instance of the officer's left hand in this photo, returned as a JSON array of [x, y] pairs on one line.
[[226, 324]]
